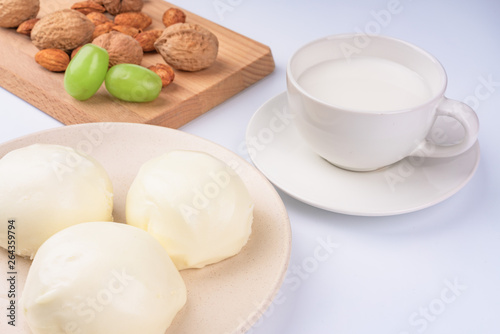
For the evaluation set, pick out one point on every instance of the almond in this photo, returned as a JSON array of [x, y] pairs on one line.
[[127, 30], [165, 72], [54, 60], [137, 20], [131, 6], [148, 38], [86, 7], [173, 16], [115, 7], [26, 27], [75, 51], [98, 18], [102, 29]]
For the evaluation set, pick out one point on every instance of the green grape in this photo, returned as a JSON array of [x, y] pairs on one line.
[[133, 83], [86, 72]]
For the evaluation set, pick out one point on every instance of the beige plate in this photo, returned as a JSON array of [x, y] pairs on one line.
[[227, 297]]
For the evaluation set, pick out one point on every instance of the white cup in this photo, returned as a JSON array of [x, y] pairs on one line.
[[345, 121]]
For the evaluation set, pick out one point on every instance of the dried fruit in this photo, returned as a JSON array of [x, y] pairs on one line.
[[15, 12], [121, 48], [138, 20], [54, 60], [173, 16], [86, 7], [165, 72], [97, 18], [26, 27], [188, 47], [148, 38], [65, 29], [102, 29], [127, 30], [115, 7]]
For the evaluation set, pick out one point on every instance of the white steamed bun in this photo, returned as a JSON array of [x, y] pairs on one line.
[[102, 278], [45, 188], [194, 204]]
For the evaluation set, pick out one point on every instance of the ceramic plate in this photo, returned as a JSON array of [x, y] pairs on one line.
[[227, 297], [277, 150]]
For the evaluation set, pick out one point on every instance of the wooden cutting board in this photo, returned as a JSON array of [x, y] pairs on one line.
[[241, 62]]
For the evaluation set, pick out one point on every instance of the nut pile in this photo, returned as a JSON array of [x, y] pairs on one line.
[[118, 26]]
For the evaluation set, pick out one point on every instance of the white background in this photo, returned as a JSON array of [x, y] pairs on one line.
[[392, 274]]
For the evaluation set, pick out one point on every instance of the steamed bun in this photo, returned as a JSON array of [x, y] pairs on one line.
[[194, 204], [45, 188], [102, 278]]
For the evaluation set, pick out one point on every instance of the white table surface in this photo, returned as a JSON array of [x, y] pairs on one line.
[[432, 271]]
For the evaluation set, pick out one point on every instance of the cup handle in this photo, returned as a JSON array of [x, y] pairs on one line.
[[466, 116]]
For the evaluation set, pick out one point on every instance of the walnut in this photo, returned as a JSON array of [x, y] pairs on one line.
[[187, 46], [65, 29], [14, 12], [121, 48], [112, 6]]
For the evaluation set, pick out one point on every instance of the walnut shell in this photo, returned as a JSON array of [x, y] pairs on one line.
[[14, 12], [112, 6], [65, 29], [188, 46], [121, 48]]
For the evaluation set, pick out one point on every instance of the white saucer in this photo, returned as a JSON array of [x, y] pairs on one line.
[[409, 185]]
